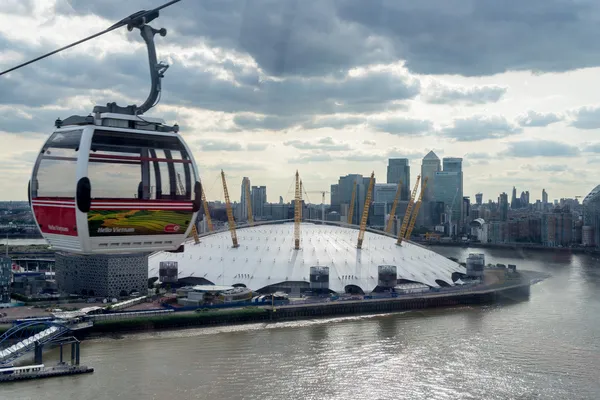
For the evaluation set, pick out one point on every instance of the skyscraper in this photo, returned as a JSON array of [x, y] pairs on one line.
[[452, 192], [259, 198], [513, 200], [544, 200], [399, 170], [344, 194], [479, 198], [429, 166], [503, 205], [243, 213]]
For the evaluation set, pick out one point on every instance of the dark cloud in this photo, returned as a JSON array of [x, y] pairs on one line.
[[466, 37], [284, 37], [540, 148], [440, 94], [369, 142], [324, 144], [480, 127], [402, 126], [483, 37], [537, 119], [586, 118]]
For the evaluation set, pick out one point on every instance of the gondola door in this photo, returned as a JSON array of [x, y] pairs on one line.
[[52, 190]]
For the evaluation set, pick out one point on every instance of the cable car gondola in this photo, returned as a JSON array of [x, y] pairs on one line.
[[114, 182]]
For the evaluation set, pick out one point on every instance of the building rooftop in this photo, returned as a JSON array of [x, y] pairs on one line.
[[431, 156], [266, 257]]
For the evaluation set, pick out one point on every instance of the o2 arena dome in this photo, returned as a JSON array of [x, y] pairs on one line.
[[266, 260]]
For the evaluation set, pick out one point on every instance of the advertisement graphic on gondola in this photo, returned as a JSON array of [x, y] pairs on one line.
[[137, 222]]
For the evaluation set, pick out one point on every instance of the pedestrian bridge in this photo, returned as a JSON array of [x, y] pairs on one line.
[[22, 338]]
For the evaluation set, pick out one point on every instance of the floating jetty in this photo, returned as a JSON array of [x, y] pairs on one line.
[[28, 372]]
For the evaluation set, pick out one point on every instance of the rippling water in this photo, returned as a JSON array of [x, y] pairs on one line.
[[545, 348]]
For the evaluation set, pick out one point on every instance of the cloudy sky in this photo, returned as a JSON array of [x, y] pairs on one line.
[[261, 88]]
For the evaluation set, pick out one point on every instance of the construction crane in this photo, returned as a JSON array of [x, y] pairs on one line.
[[365, 213], [388, 227], [409, 208], [323, 192], [297, 215], [229, 212], [182, 192], [209, 223], [351, 209], [248, 203], [415, 213]]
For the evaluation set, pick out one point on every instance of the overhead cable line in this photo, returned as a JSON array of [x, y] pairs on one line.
[[144, 16]]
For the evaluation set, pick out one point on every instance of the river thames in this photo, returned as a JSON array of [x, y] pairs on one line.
[[547, 347]]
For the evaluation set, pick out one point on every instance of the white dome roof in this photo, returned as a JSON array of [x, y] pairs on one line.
[[266, 257]]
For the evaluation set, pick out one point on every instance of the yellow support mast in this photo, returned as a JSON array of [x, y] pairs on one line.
[[229, 212], [365, 213], [388, 227], [408, 212], [351, 209], [248, 203], [413, 219], [206, 212], [182, 192], [297, 215], [301, 205]]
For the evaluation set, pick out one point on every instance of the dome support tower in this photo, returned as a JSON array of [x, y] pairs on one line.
[[297, 214], [230, 219], [365, 214]]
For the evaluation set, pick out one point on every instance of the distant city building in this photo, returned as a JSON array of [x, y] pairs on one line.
[[430, 165], [447, 190], [514, 202], [344, 195], [280, 199], [466, 209], [503, 206], [243, 211], [385, 193], [259, 198], [5, 278], [557, 228], [544, 200], [479, 198], [335, 198], [398, 170]]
